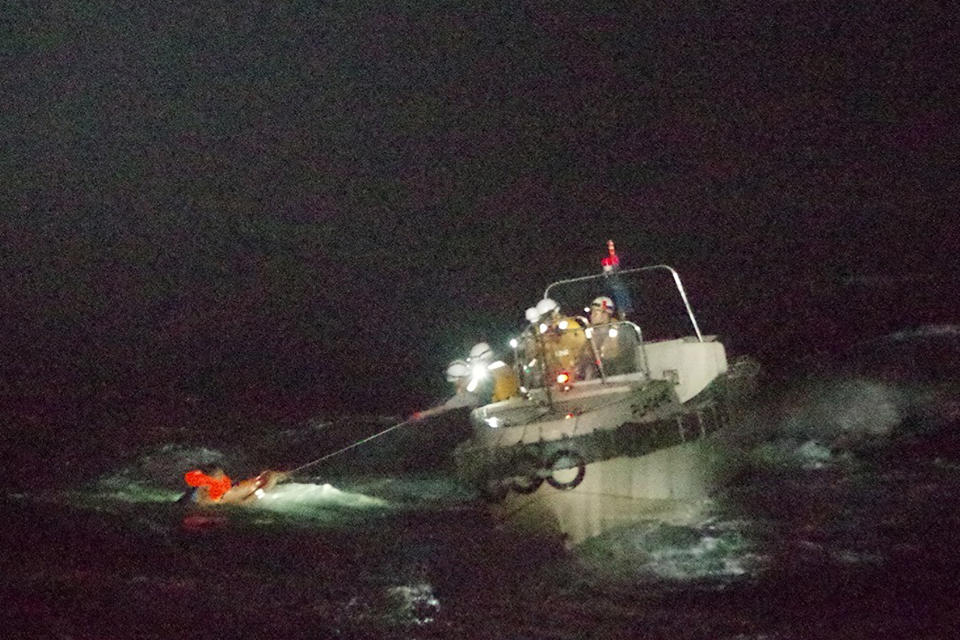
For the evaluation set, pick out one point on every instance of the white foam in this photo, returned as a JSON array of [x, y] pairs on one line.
[[416, 604], [926, 331], [831, 409], [294, 494], [814, 454], [710, 557]]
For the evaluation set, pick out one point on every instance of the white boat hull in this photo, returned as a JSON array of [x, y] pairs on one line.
[[670, 485]]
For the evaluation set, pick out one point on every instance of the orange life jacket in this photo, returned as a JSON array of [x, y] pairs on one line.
[[216, 487]]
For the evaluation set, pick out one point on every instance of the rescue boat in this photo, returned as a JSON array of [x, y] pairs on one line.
[[610, 424]]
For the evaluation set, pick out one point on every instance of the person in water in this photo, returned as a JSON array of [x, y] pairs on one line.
[[216, 487]]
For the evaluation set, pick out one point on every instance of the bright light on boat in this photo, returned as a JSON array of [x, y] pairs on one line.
[[479, 373], [613, 332], [563, 377], [513, 343], [494, 422], [543, 328], [562, 324]]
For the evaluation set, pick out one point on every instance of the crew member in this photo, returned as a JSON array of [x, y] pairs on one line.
[[612, 344], [458, 374], [493, 380], [562, 338], [611, 269]]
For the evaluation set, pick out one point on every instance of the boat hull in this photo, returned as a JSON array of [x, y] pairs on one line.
[[670, 485], [659, 460], [633, 423]]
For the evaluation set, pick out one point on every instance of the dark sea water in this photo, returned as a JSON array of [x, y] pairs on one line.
[[841, 522]]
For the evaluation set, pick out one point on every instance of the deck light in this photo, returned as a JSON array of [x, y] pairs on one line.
[[478, 373]]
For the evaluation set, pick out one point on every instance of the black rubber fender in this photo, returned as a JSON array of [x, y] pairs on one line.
[[493, 492], [581, 465], [530, 480]]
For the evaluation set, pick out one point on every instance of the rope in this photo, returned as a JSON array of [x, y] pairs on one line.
[[346, 448]]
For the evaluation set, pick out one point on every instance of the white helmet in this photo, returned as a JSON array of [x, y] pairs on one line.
[[458, 370], [547, 306], [532, 315], [481, 351], [603, 302]]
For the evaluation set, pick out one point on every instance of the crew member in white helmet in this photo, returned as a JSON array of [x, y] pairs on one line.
[[493, 380], [613, 344], [562, 339], [458, 374]]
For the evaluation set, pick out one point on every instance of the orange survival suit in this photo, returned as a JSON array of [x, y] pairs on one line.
[[216, 484]]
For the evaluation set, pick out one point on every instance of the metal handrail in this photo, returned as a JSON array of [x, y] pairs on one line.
[[676, 279]]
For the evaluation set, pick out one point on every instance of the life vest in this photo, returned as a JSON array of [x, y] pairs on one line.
[[216, 486], [562, 347], [505, 383]]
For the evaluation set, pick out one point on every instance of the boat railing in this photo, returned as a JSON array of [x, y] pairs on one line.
[[613, 277]]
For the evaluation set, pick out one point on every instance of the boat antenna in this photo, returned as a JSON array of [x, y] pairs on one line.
[[612, 261]]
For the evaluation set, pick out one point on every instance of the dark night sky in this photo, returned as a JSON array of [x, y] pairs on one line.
[[306, 206]]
